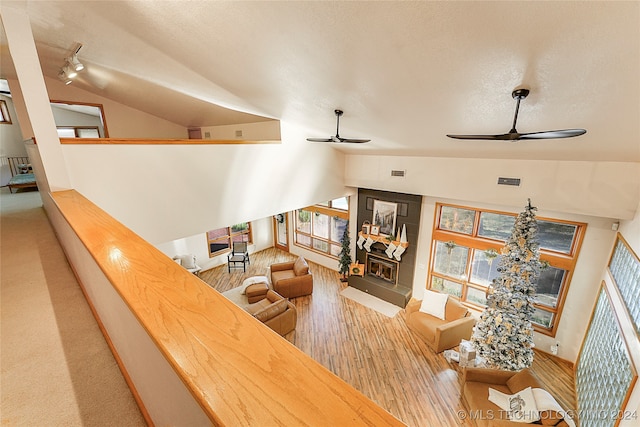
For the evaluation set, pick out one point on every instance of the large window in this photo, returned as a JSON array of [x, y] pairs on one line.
[[219, 240], [465, 255], [320, 227]]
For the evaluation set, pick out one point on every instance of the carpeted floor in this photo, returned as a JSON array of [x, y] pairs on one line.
[[56, 367]]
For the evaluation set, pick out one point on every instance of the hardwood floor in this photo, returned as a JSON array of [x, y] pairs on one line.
[[378, 355]]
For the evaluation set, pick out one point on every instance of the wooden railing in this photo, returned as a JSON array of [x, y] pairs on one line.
[[144, 141], [237, 370]]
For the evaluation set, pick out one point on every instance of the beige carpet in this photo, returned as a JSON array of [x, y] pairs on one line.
[[374, 303], [56, 367]]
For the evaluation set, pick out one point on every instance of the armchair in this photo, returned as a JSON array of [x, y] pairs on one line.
[[478, 381], [275, 312], [440, 333], [292, 279]]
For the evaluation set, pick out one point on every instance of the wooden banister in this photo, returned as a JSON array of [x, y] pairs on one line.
[[239, 371], [144, 141]]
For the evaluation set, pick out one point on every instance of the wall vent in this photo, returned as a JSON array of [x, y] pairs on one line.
[[509, 181], [239, 133], [398, 173]]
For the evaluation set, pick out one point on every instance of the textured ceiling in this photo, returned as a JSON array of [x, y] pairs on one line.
[[405, 73]]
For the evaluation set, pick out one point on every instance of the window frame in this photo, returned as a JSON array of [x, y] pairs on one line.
[[5, 117], [322, 209], [229, 238], [475, 242]]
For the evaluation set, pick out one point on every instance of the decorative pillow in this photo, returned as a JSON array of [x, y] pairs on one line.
[[520, 407], [23, 168], [300, 267], [434, 303], [178, 261], [252, 280]]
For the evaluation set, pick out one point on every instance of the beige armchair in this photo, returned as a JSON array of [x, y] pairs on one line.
[[275, 312], [292, 279], [440, 334], [475, 391]]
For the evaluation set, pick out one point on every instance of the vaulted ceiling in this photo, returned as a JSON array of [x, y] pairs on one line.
[[405, 73]]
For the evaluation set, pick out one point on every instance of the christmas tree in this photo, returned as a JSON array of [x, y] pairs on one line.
[[504, 334], [345, 253]]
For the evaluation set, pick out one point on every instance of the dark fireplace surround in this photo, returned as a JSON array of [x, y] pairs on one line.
[[387, 278]]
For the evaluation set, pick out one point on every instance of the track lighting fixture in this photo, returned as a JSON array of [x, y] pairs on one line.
[[71, 66]]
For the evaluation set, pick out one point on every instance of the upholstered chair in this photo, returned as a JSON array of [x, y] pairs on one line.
[[292, 279], [439, 320]]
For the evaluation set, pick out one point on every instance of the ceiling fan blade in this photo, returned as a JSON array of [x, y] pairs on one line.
[[353, 141], [320, 139], [553, 134], [502, 137]]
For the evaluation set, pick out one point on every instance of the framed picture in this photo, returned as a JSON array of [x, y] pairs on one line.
[[375, 230], [366, 228], [384, 216], [356, 269]]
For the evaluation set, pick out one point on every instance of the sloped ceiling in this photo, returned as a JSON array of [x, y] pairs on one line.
[[405, 73]]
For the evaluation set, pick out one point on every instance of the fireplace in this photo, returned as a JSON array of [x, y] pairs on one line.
[[382, 268]]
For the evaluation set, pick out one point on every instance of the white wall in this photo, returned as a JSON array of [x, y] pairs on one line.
[[605, 189], [122, 121], [167, 192], [262, 232], [260, 131]]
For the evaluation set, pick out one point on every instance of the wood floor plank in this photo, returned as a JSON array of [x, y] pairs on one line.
[[378, 355]]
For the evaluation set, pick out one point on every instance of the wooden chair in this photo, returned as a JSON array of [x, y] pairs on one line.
[[239, 255]]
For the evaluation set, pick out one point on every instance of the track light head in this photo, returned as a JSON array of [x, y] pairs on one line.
[[62, 76], [74, 63], [69, 71]]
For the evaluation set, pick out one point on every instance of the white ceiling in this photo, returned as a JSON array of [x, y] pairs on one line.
[[405, 73]]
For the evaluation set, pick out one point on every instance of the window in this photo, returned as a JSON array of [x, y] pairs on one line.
[[78, 132], [4, 113], [219, 240], [320, 227], [466, 253]]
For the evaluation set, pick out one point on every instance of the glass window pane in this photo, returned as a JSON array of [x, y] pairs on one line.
[[484, 268], [496, 226], [542, 318], [477, 296], [320, 245], [338, 225], [335, 250], [244, 237], [243, 226], [549, 285], [303, 222], [451, 261], [556, 236], [66, 133], [457, 219], [447, 286], [88, 133], [321, 225], [303, 240], [219, 245], [217, 233], [341, 203]]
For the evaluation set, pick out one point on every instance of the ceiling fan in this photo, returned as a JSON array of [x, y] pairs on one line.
[[338, 138], [514, 135]]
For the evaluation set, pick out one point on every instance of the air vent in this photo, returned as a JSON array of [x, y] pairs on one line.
[[509, 181], [398, 173], [239, 134]]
